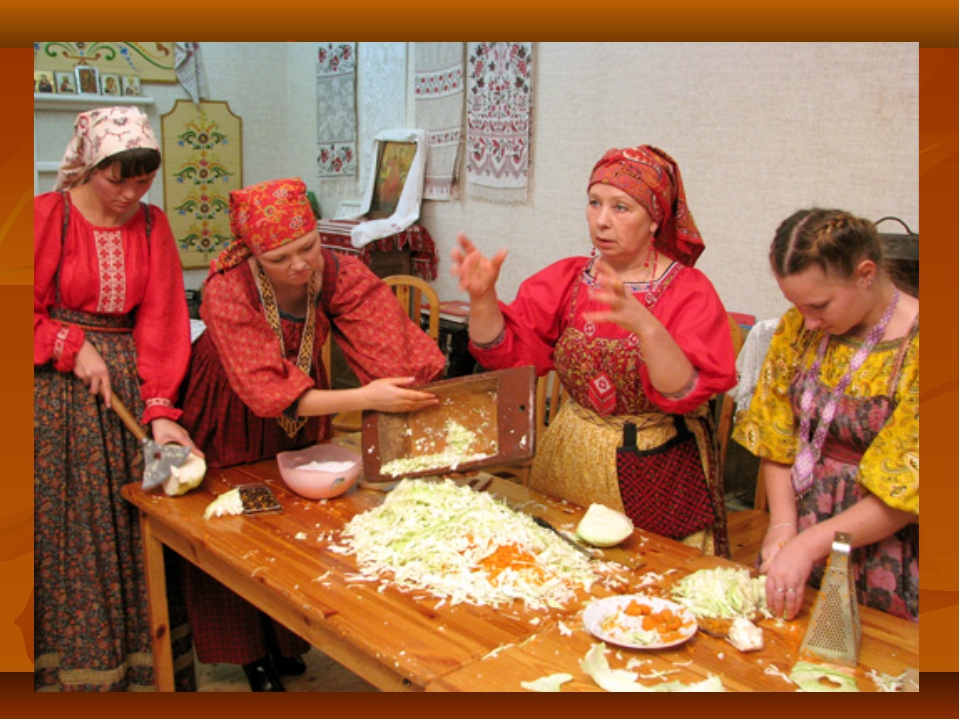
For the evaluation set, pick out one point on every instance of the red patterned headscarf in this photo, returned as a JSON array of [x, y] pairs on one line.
[[652, 178], [264, 217]]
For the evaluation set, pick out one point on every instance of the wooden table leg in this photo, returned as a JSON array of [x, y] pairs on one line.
[[159, 615]]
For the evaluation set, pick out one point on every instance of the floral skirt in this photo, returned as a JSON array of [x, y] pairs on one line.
[[887, 573], [91, 625]]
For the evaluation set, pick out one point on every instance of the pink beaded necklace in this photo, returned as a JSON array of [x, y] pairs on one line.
[[810, 448]]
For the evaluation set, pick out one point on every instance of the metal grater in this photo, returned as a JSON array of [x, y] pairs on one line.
[[833, 633]]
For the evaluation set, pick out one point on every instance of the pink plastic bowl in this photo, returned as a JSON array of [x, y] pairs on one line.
[[319, 484]]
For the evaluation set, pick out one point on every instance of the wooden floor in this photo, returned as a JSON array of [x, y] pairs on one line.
[[322, 675]]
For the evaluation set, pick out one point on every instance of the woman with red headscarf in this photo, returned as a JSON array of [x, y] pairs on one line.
[[257, 385], [640, 340]]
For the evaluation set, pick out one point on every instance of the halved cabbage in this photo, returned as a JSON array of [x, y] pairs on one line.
[[604, 527]]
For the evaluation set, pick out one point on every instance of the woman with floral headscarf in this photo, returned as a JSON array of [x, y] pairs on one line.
[[109, 318], [257, 385], [638, 337]]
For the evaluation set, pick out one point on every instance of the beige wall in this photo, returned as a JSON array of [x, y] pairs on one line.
[[758, 129]]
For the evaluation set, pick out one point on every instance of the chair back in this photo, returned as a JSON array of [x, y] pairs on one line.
[[747, 528], [550, 396], [727, 405], [414, 294]]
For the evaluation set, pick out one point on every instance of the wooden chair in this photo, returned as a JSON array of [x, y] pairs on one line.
[[550, 395], [746, 528], [727, 404], [413, 294]]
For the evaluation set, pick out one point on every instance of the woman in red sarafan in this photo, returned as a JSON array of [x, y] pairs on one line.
[[257, 385], [637, 335], [109, 318]]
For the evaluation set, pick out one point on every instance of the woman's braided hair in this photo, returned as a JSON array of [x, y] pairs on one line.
[[834, 240]]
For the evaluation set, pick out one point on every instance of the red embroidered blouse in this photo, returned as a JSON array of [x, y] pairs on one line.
[[373, 331], [112, 271], [688, 307]]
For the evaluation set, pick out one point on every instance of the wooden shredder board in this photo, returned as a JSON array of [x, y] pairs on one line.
[[498, 407]]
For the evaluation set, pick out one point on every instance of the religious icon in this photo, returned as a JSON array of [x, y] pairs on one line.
[[43, 81], [66, 82], [110, 84], [130, 84], [88, 80], [392, 170]]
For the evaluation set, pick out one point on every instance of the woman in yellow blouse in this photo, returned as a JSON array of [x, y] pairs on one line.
[[836, 417]]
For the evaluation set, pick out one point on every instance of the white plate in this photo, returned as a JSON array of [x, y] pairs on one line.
[[605, 619]]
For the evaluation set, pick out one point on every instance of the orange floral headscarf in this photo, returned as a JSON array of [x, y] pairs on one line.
[[652, 178], [264, 217]]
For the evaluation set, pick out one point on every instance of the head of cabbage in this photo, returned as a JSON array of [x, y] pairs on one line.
[[604, 527]]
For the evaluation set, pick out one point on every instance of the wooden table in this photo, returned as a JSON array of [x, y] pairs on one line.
[[283, 564], [889, 645]]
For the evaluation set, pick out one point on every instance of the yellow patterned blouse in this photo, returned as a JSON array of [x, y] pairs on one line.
[[890, 466]]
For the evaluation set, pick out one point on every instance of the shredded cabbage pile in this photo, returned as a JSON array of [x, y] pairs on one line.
[[455, 543], [723, 592]]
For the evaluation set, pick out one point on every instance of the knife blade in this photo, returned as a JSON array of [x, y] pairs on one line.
[[546, 525]]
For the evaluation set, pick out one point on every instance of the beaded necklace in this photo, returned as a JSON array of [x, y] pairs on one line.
[[271, 310], [651, 296], [802, 472]]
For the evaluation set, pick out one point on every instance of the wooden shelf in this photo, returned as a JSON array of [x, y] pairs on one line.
[[51, 101]]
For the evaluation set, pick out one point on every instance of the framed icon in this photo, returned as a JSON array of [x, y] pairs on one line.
[[66, 82], [43, 81], [109, 84], [130, 84], [88, 79], [393, 166]]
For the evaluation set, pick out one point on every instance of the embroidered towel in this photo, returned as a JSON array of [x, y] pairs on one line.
[[189, 68], [336, 110], [438, 109], [499, 94]]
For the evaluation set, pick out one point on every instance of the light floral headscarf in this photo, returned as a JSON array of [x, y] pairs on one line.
[[98, 134], [652, 178], [264, 217]]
